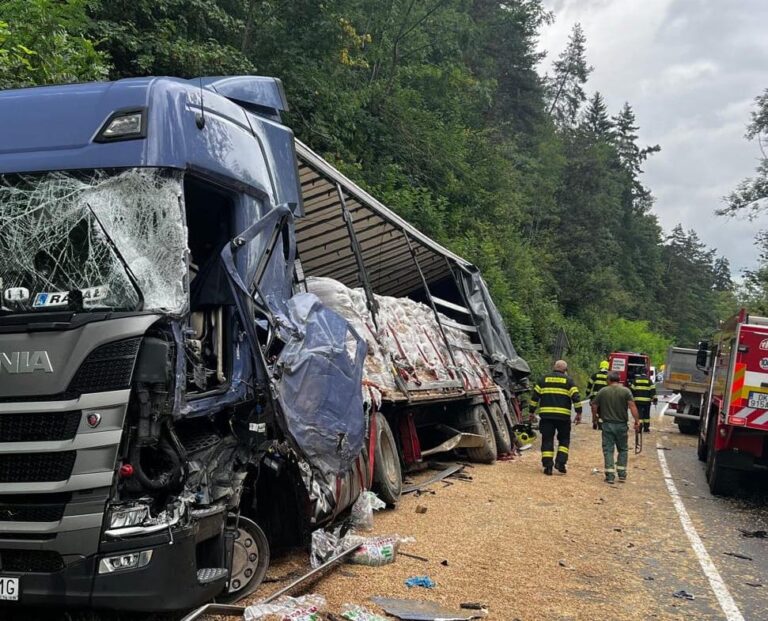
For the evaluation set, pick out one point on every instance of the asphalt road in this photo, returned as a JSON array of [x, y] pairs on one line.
[[719, 521]]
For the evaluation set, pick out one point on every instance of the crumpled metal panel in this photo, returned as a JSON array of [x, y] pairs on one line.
[[421, 610]]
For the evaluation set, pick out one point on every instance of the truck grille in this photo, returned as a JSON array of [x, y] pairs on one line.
[[110, 367], [39, 427], [36, 467], [33, 507], [39, 561]]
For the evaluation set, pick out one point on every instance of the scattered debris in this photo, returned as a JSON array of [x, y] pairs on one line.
[[376, 551], [444, 562], [754, 584], [682, 594], [737, 555], [362, 511], [473, 606], [443, 474], [416, 556], [754, 534], [420, 581], [419, 610], [650, 578], [562, 563], [617, 530], [421, 509], [353, 612], [304, 608]]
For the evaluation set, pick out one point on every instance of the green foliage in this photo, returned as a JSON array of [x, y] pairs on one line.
[[44, 42], [436, 107]]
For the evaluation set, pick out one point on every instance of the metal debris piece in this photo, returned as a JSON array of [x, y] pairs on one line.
[[444, 563], [754, 584], [473, 606], [443, 474], [416, 556], [754, 534], [737, 555], [682, 594], [421, 509], [420, 610]]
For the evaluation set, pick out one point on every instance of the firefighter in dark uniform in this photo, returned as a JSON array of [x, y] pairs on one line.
[[644, 391], [552, 398], [598, 380]]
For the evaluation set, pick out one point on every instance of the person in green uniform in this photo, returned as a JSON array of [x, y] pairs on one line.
[[612, 403]]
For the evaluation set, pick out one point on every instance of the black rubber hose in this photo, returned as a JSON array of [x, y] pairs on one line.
[[165, 479]]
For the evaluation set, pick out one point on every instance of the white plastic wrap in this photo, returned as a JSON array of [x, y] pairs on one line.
[[408, 341], [304, 608]]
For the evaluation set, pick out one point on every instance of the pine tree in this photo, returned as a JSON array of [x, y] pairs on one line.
[[566, 88], [596, 120]]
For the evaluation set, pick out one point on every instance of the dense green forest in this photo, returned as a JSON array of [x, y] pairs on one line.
[[438, 107]]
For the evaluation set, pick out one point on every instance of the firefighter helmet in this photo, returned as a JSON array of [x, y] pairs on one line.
[[604, 365]]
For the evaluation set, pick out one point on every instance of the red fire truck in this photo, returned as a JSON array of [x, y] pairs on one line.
[[734, 436], [629, 364]]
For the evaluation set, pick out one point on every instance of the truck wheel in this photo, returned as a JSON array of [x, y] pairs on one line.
[[250, 560], [701, 449], [387, 475], [480, 424], [722, 481], [500, 429], [688, 427]]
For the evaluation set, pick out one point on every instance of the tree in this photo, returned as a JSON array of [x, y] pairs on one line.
[[596, 120], [751, 195], [45, 42], [566, 87]]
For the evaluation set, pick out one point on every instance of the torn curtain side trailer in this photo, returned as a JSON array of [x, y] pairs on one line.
[[171, 385]]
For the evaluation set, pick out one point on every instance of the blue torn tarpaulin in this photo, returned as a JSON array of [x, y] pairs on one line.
[[319, 378]]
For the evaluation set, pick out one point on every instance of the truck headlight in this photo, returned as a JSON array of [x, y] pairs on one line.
[[123, 517], [133, 560]]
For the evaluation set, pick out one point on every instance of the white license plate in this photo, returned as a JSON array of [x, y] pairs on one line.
[[9, 588], [758, 400]]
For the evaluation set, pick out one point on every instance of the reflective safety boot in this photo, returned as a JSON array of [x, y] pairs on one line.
[[548, 470], [561, 468]]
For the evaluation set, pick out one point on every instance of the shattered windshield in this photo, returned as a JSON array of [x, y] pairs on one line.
[[96, 242]]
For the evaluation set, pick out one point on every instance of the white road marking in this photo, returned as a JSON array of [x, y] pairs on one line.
[[660, 412], [728, 605]]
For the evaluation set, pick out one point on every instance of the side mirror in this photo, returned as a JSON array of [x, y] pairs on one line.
[[702, 355]]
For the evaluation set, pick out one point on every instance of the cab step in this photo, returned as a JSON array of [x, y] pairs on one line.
[[211, 574]]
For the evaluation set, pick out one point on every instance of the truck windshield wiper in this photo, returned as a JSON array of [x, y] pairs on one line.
[[118, 254]]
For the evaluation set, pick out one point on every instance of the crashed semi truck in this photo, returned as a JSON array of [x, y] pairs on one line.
[[733, 434], [210, 342]]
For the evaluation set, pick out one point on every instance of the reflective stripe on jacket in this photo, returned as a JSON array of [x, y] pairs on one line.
[[554, 394], [643, 389], [596, 382]]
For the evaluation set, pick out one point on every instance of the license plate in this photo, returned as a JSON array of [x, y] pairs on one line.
[[758, 400], [9, 588]]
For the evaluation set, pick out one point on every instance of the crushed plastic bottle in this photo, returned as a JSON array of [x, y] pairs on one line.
[[376, 551]]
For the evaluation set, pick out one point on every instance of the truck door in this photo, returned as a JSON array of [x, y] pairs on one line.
[[748, 398]]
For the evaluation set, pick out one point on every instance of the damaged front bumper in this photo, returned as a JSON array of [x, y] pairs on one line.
[[153, 587]]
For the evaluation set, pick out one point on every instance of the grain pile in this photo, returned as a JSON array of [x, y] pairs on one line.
[[535, 547]]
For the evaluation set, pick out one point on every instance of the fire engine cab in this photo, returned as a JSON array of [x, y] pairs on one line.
[[733, 439]]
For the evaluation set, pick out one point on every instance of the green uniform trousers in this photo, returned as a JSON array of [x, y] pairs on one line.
[[615, 438]]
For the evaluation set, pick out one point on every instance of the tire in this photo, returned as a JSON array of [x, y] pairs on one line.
[[701, 449], [500, 429], [481, 425], [250, 560], [722, 481], [387, 474], [688, 427]]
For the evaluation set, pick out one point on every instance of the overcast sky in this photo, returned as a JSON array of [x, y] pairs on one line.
[[691, 70]]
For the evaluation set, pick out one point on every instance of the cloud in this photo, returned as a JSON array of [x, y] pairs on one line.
[[690, 69]]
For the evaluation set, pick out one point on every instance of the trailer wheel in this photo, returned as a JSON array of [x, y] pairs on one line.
[[500, 429], [250, 560], [722, 480], [480, 424], [387, 474]]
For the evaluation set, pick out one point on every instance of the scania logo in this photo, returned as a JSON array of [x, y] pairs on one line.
[[18, 362]]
